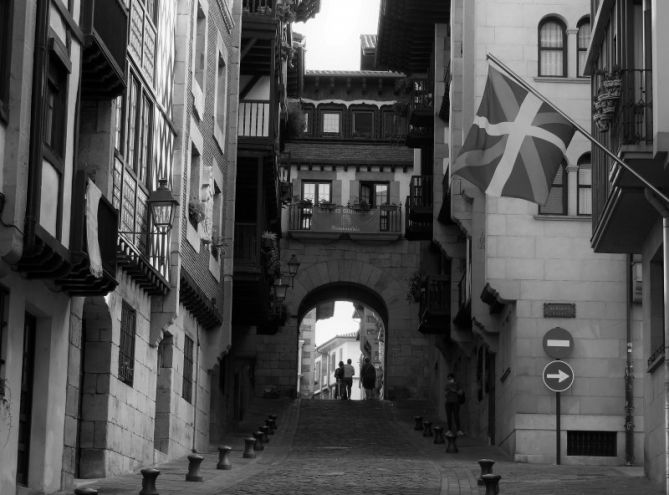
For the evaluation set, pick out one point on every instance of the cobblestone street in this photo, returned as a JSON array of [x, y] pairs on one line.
[[323, 447]]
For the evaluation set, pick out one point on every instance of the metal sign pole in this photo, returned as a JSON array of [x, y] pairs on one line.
[[557, 427]]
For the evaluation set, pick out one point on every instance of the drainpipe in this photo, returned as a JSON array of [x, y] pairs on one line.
[[197, 374], [661, 207], [629, 368]]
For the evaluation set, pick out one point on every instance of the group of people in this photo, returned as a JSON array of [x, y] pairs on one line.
[[344, 378]]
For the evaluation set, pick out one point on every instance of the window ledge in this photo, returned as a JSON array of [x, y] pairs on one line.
[[554, 79], [562, 218]]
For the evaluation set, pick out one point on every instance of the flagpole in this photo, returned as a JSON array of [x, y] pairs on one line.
[[578, 126]]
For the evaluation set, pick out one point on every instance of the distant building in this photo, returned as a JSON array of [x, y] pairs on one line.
[[328, 355]]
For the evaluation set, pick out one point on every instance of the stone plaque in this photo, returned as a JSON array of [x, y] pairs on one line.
[[559, 310]]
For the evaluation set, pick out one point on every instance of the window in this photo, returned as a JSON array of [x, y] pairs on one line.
[[5, 53], [392, 125], [140, 118], [221, 99], [54, 110], [363, 124], [374, 193], [187, 389], [552, 48], [556, 204], [200, 46], [195, 205], [317, 192], [582, 43], [584, 185], [126, 351], [216, 219], [331, 122]]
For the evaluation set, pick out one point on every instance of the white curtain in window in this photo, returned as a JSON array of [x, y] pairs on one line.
[[585, 190], [551, 45], [583, 41]]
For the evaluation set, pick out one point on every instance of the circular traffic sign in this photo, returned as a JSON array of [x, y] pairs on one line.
[[558, 376], [558, 343]]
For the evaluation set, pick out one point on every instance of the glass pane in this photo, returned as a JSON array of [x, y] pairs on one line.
[[362, 124], [331, 122], [584, 201], [552, 63], [309, 191], [381, 194], [50, 187], [551, 35], [323, 193], [583, 38]]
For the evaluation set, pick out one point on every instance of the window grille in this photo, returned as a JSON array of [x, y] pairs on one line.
[[126, 353], [187, 391], [592, 443]]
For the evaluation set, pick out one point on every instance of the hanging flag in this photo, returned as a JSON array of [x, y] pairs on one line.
[[516, 144]]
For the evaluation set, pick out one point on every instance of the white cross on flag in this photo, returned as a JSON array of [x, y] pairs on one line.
[[516, 143]]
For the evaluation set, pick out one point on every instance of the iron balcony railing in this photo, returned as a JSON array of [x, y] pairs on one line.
[[331, 218], [632, 124], [254, 118], [420, 193], [247, 246], [435, 299], [258, 6]]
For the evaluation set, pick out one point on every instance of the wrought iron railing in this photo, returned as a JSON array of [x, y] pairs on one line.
[[254, 118], [331, 218], [420, 192], [435, 299], [421, 98], [247, 247], [258, 6]]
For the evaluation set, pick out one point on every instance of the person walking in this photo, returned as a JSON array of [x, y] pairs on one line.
[[340, 389], [368, 378], [349, 371], [454, 396]]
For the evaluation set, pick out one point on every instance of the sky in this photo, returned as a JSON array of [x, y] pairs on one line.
[[333, 35], [340, 323]]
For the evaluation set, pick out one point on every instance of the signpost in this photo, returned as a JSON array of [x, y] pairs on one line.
[[558, 375]]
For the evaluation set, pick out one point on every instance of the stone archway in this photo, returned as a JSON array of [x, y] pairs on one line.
[[407, 371]]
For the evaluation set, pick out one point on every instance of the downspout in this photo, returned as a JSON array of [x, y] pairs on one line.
[[197, 374], [661, 207], [629, 367]]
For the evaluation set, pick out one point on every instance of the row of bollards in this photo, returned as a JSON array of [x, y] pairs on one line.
[[254, 443], [487, 478]]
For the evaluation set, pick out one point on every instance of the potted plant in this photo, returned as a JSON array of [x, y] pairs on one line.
[[295, 120], [196, 211], [326, 205], [416, 286], [269, 246]]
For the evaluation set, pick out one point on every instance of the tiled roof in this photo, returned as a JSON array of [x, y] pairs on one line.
[[368, 41], [349, 153], [354, 73]]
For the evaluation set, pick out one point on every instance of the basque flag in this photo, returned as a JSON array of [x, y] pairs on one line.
[[516, 143]]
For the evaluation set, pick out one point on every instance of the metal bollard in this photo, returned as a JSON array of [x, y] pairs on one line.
[[265, 433], [149, 476], [486, 468], [249, 442], [427, 428], [418, 423], [451, 446], [274, 417], [491, 482], [223, 457], [194, 461], [85, 491], [272, 425], [438, 434], [258, 445]]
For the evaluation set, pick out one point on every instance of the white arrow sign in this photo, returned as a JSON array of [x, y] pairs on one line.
[[560, 376]]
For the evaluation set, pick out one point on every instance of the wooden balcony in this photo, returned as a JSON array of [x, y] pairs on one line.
[[419, 205], [382, 223], [621, 215], [45, 257], [105, 27], [256, 124], [421, 103], [435, 306]]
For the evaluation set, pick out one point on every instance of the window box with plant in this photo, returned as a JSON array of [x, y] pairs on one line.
[[196, 212], [269, 246], [417, 284]]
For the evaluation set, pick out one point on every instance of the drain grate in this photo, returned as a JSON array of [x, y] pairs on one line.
[[592, 443]]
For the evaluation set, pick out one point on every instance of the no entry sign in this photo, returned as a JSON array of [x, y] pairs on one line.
[[558, 343]]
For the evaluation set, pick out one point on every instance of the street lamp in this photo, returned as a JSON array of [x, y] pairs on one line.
[[293, 266], [163, 206], [280, 289]]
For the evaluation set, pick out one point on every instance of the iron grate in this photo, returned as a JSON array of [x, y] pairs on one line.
[[592, 443]]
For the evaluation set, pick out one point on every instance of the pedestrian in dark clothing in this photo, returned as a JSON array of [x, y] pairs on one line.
[[454, 396], [349, 371], [368, 378], [340, 389]]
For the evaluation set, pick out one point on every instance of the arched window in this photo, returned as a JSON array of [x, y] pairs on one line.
[[582, 43], [584, 185], [552, 48], [556, 204]]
